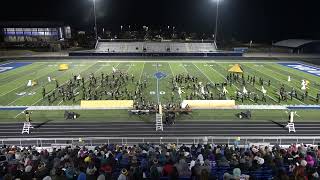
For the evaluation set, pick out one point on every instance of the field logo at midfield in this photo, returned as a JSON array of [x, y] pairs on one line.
[[160, 75], [304, 68], [11, 66]]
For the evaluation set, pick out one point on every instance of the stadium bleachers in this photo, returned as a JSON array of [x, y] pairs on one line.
[[162, 161], [133, 47]]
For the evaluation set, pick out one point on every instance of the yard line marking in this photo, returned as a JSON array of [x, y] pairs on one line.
[[24, 96], [88, 79], [298, 82], [63, 84], [222, 75], [53, 90], [273, 78], [47, 83], [22, 84], [257, 88], [141, 75], [173, 78]]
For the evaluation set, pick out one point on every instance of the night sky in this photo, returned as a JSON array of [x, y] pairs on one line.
[[260, 20]]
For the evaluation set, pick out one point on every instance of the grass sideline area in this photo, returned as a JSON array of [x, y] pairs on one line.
[[123, 116]]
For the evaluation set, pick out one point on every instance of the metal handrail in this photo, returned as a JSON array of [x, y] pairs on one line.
[[244, 140], [183, 138]]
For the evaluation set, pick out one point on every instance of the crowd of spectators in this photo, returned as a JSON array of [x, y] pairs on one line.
[[162, 161]]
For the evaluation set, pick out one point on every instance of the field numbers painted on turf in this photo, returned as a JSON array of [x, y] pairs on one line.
[[162, 92], [157, 65], [152, 92], [130, 65], [105, 65], [26, 94]]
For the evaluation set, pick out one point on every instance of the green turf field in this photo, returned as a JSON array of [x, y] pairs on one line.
[[14, 92], [124, 116]]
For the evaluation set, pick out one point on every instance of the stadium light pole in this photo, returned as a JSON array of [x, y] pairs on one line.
[[217, 20], [95, 20]]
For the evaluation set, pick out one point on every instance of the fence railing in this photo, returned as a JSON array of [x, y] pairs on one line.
[[93, 141]]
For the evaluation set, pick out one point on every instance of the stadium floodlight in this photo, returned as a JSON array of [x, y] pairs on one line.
[[217, 20], [95, 20]]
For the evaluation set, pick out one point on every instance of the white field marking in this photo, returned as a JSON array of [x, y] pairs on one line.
[[261, 91], [56, 88], [294, 83], [203, 73], [88, 79], [108, 74], [223, 76], [206, 75], [6, 63], [18, 114], [23, 84], [285, 69], [24, 96], [141, 75], [173, 77], [47, 83], [276, 79]]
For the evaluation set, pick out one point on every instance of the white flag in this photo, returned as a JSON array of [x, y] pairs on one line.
[[263, 90], [289, 79], [114, 69], [225, 91], [202, 90], [180, 91], [29, 83], [245, 90]]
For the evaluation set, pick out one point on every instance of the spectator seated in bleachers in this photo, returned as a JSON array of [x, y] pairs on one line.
[[149, 161]]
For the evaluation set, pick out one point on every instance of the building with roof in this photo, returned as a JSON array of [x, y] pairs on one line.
[[33, 31], [299, 45]]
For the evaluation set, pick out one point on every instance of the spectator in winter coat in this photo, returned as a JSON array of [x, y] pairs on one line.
[[123, 175], [183, 168], [168, 168]]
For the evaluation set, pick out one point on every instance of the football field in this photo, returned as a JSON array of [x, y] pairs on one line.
[[157, 77]]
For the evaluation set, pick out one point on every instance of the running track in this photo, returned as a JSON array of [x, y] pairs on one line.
[[142, 129]]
